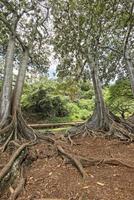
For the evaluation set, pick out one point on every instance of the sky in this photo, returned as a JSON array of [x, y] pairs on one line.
[[53, 65], [52, 71]]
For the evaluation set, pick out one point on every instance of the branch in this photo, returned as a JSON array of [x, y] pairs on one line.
[[128, 31], [20, 41], [47, 14], [3, 19], [82, 69], [110, 48]]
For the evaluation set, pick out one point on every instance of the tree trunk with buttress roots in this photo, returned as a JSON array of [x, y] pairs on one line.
[[7, 84], [18, 128], [100, 115], [102, 119], [21, 128]]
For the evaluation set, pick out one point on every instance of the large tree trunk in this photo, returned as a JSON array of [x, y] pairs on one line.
[[100, 116], [20, 82], [17, 128], [7, 84], [130, 69]]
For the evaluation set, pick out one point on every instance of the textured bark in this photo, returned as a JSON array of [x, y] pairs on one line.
[[130, 68], [20, 82], [100, 116], [7, 84], [126, 50]]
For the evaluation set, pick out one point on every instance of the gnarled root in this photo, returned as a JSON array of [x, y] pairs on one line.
[[19, 188], [26, 131], [10, 170], [86, 162], [16, 130], [74, 160], [118, 128], [81, 162]]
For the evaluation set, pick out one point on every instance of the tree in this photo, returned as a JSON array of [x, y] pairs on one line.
[[25, 25], [27, 21], [85, 26]]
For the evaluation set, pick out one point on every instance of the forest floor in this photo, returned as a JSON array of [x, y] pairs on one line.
[[49, 177]]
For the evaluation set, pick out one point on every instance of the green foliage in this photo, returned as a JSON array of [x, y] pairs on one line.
[[58, 101], [39, 98], [79, 110], [86, 89], [100, 26], [51, 99], [68, 88], [120, 99], [86, 104]]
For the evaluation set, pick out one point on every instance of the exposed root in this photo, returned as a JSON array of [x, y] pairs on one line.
[[86, 162], [26, 132], [19, 187], [16, 130], [74, 160], [81, 162], [9, 171], [70, 140], [116, 162], [14, 143], [78, 161], [117, 129], [4, 132], [46, 138], [8, 166], [80, 130], [7, 142]]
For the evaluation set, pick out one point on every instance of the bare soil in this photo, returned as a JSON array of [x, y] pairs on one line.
[[49, 177]]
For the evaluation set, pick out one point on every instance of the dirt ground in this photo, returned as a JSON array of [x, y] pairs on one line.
[[50, 178]]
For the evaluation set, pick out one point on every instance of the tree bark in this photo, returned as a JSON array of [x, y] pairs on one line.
[[7, 83], [101, 112], [130, 69], [20, 81]]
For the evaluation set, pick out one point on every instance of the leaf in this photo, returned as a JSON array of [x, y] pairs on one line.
[[101, 184], [85, 187]]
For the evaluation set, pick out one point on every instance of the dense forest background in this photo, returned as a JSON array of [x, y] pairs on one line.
[[61, 101]]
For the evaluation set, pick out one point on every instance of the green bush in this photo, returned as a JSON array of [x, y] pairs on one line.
[[40, 98]]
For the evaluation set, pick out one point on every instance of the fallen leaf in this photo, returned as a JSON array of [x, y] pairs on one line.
[[91, 176], [101, 184], [85, 187]]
